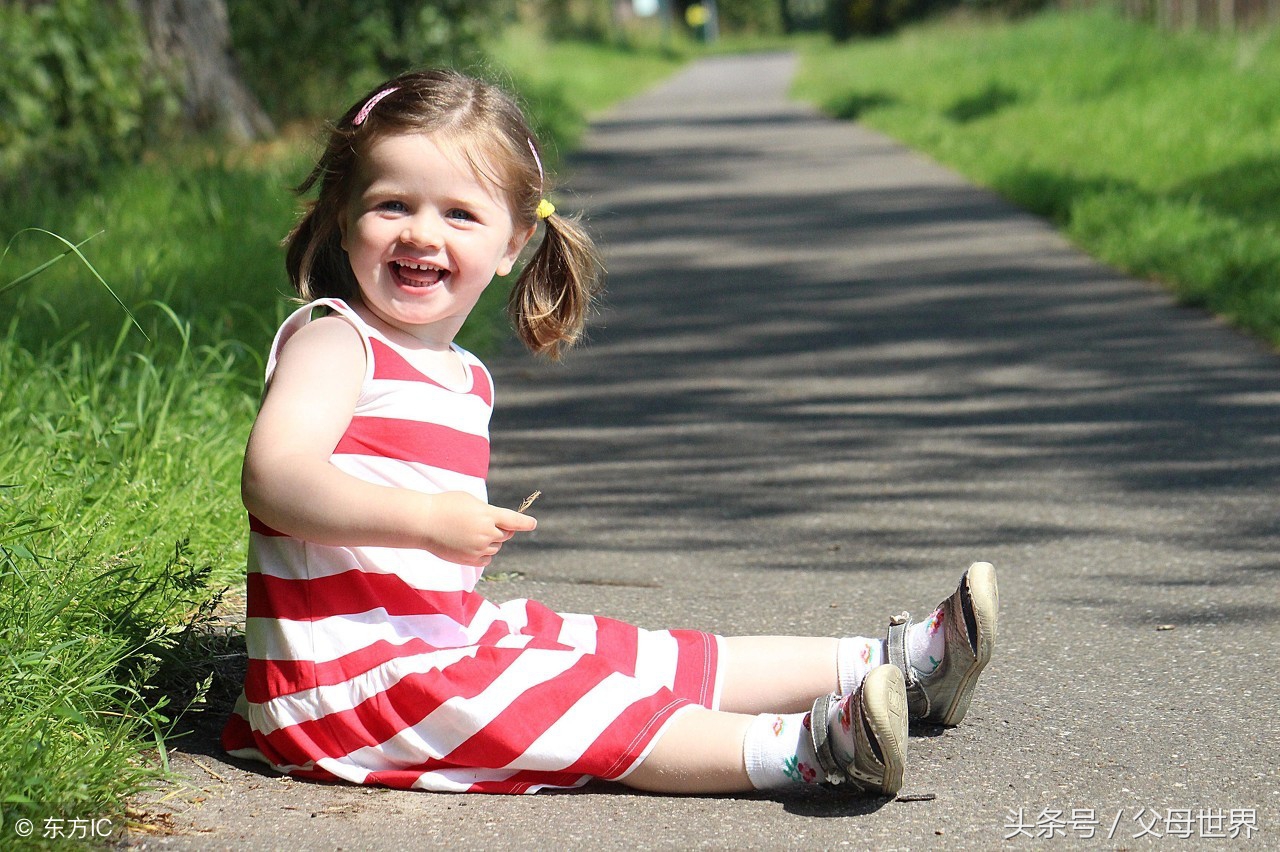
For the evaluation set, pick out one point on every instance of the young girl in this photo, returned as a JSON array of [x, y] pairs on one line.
[[372, 657]]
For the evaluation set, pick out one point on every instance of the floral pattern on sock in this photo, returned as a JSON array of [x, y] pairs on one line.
[[933, 625], [793, 767], [935, 622], [799, 771], [846, 714]]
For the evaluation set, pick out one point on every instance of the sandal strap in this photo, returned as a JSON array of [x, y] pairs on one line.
[[850, 777], [895, 645], [820, 736]]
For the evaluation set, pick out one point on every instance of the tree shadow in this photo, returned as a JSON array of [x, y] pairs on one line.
[[984, 104], [1247, 190], [852, 105], [798, 357]]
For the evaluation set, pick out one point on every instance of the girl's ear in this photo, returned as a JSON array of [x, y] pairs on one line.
[[519, 240]]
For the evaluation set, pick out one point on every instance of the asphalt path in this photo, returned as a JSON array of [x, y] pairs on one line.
[[828, 375]]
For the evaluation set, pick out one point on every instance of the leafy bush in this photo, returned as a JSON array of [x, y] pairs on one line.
[[1009, 8], [846, 19], [581, 20], [310, 57], [78, 91], [802, 15], [849, 18], [757, 17]]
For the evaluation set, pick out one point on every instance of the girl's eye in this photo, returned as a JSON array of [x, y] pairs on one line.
[[461, 215], [393, 206]]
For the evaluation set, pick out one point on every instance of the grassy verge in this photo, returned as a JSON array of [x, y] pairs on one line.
[[1153, 151], [113, 516], [565, 83], [119, 455]]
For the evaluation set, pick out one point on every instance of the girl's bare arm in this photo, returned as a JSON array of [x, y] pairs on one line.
[[289, 484]]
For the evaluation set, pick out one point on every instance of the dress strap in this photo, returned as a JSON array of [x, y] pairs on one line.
[[305, 314]]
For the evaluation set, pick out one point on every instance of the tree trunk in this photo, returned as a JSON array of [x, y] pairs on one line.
[[191, 41], [784, 14]]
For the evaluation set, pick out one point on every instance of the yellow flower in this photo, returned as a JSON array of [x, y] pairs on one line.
[[695, 15]]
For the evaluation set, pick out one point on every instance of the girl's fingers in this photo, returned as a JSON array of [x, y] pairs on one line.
[[516, 522]]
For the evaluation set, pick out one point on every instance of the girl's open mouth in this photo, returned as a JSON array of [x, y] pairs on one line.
[[408, 273]]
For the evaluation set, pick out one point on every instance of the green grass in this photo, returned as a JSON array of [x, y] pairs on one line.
[[196, 231], [120, 517], [199, 230], [1153, 151], [118, 468], [565, 83]]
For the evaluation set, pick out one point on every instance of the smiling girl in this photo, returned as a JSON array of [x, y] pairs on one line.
[[372, 658]]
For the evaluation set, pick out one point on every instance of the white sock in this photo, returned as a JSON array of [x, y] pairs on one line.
[[778, 752], [855, 657], [926, 643]]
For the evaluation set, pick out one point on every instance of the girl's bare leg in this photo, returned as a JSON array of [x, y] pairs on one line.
[[699, 752], [776, 674]]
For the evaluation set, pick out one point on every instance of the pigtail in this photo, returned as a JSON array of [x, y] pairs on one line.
[[316, 262], [300, 256], [553, 295], [314, 258]]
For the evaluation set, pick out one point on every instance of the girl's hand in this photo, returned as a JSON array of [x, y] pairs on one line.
[[468, 531]]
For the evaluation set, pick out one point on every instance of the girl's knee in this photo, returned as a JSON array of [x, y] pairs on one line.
[[700, 751]]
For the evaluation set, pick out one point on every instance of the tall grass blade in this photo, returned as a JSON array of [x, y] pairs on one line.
[[27, 276], [71, 248]]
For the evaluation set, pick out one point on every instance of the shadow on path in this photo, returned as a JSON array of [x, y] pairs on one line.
[[800, 319]]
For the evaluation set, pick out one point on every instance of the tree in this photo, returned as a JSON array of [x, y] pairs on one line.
[[190, 41]]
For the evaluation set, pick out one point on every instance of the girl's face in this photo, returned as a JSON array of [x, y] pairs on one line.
[[425, 235]]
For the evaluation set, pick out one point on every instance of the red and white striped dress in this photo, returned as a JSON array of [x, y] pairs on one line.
[[384, 666]]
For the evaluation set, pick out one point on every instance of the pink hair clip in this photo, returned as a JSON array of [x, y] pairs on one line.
[[369, 105], [538, 160]]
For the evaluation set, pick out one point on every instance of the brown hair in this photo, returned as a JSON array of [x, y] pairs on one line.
[[550, 300]]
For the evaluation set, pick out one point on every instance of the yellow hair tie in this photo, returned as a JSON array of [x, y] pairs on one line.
[[545, 208]]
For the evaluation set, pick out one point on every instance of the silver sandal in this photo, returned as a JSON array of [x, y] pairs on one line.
[[877, 719], [969, 622]]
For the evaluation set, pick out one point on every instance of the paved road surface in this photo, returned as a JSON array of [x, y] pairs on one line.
[[828, 376]]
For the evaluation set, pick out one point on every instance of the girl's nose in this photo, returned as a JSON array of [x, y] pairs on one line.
[[421, 230]]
